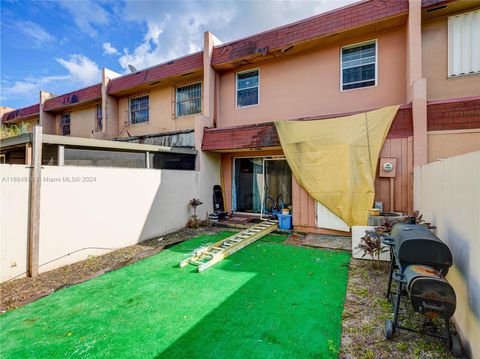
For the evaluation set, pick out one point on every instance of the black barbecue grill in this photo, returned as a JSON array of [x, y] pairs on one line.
[[419, 263], [416, 244]]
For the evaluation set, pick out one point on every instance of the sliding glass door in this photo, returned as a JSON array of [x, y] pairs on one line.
[[255, 178], [278, 182]]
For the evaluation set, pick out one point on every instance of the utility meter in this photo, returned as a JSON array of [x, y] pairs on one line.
[[387, 166]]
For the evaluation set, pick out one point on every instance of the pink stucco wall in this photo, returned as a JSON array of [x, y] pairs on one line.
[[308, 84]]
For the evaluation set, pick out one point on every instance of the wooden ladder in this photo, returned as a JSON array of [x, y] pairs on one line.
[[205, 257]]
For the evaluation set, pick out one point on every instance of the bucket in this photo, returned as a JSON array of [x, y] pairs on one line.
[[284, 221]]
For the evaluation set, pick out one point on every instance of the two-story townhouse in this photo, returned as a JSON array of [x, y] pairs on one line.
[[361, 57], [156, 106], [421, 55]]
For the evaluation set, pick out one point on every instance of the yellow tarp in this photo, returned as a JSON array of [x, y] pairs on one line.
[[335, 160]]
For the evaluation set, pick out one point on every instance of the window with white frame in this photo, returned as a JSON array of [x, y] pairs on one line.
[[65, 124], [189, 99], [139, 109], [98, 118], [464, 44], [359, 65], [247, 88]]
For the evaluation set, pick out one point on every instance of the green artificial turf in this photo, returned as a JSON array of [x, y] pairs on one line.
[[268, 300]]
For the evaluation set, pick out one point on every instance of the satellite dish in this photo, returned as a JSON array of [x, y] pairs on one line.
[[132, 69]]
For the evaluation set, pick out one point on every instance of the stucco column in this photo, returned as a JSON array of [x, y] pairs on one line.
[[46, 120], [416, 85], [110, 112], [208, 116], [209, 77]]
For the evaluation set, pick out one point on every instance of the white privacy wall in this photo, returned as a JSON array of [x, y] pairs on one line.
[[447, 193], [13, 219], [85, 207]]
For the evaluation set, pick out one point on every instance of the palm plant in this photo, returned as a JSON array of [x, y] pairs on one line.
[[193, 204]]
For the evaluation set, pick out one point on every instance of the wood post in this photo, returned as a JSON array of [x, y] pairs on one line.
[[34, 210]]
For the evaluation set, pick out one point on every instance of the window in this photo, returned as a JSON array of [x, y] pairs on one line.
[[189, 99], [359, 65], [98, 118], [247, 88], [464, 44], [65, 124], [139, 109]]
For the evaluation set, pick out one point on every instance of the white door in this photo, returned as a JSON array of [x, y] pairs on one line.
[[326, 219]]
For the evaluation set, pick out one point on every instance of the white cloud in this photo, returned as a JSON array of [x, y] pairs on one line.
[[29, 88], [108, 49], [35, 32], [86, 14], [174, 29], [82, 70], [25, 34]]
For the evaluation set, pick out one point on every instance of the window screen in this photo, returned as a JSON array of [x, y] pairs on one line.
[[50, 155], [189, 99], [172, 161], [359, 66], [103, 158], [139, 110], [247, 88]]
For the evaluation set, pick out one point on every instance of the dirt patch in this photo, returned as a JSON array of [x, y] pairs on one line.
[[364, 315], [19, 292]]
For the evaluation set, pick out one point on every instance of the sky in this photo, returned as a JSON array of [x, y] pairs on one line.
[[60, 46]]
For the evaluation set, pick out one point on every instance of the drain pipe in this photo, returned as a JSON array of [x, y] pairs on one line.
[[34, 209]]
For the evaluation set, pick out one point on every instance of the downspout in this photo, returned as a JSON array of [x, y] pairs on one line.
[[416, 86]]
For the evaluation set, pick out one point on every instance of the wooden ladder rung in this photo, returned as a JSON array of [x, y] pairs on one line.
[[197, 263]]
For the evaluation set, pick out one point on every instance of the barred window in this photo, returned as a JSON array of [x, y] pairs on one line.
[[359, 63], [65, 124], [139, 110], [247, 88], [189, 99]]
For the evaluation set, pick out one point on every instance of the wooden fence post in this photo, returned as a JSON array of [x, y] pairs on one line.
[[34, 211]]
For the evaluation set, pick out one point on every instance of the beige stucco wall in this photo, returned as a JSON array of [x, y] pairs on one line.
[[152, 203], [82, 121], [309, 84], [444, 144], [447, 193], [435, 65], [161, 114]]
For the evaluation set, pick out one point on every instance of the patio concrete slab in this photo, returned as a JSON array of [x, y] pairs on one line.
[[323, 241]]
